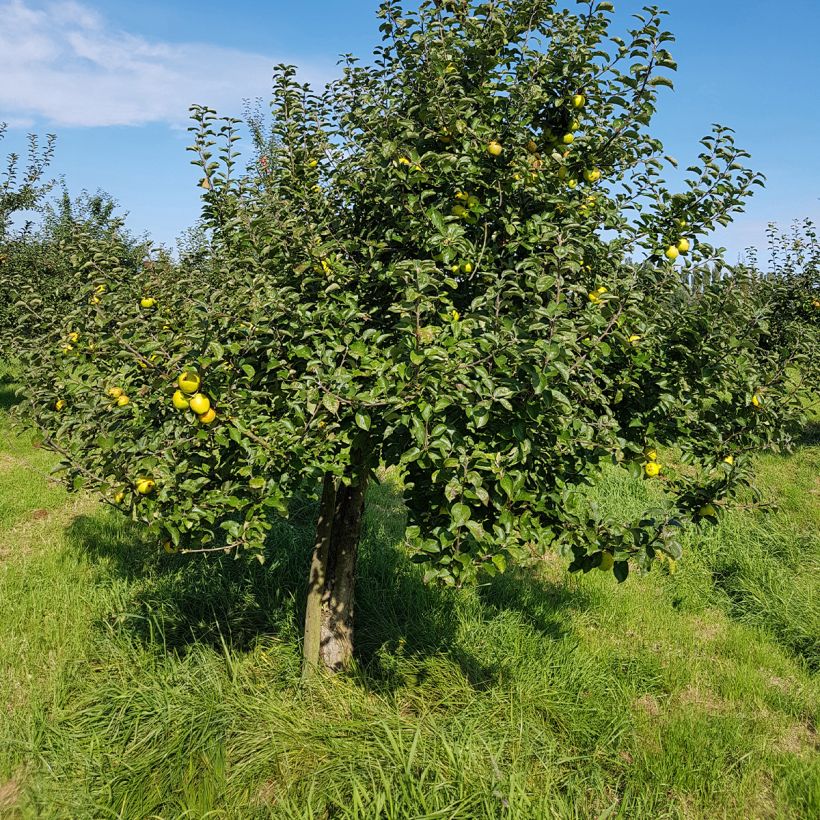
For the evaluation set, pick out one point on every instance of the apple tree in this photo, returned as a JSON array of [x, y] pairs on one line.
[[460, 260]]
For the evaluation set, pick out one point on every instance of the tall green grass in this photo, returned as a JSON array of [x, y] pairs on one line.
[[135, 684]]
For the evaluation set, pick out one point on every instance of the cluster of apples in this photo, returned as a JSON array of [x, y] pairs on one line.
[[652, 467], [189, 397]]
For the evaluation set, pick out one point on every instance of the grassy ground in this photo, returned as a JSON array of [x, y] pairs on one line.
[[135, 684]]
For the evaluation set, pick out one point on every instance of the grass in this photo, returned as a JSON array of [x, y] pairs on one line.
[[139, 685]]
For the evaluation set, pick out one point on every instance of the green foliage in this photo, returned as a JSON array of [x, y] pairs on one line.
[[430, 264], [37, 282]]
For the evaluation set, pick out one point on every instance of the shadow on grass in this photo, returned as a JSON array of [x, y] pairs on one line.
[[810, 435], [177, 602], [8, 396]]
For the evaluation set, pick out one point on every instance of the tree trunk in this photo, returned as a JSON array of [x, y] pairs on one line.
[[318, 574], [336, 649]]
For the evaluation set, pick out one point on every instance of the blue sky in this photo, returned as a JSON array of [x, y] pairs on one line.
[[114, 80]]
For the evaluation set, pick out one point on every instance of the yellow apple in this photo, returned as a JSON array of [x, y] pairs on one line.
[[179, 400], [578, 101], [200, 404], [145, 486], [208, 416], [672, 253], [495, 148], [607, 562], [189, 381]]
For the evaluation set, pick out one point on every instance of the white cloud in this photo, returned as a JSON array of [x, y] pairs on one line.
[[63, 63]]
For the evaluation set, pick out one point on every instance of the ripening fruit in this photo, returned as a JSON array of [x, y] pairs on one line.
[[816, 303], [74, 337], [189, 381], [568, 139], [60, 404], [708, 511], [730, 460], [607, 562], [634, 339], [652, 469], [572, 183], [119, 497], [532, 147], [575, 126], [123, 400], [200, 404], [592, 175], [651, 454], [313, 163], [144, 486], [672, 253], [67, 348], [148, 302], [455, 315], [466, 267], [462, 195], [115, 392], [578, 101], [459, 211], [404, 161], [169, 547], [757, 400], [208, 416], [495, 148], [684, 245], [179, 401]]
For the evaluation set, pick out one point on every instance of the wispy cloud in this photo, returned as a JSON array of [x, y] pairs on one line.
[[62, 62]]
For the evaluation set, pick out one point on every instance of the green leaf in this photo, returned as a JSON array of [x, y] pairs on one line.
[[460, 513]]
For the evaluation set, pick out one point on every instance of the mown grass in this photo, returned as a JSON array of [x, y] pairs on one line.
[[135, 684]]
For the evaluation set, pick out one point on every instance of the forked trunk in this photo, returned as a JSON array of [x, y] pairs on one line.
[[328, 640]]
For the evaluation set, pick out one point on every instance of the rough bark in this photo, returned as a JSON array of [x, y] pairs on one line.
[[318, 574], [336, 649]]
